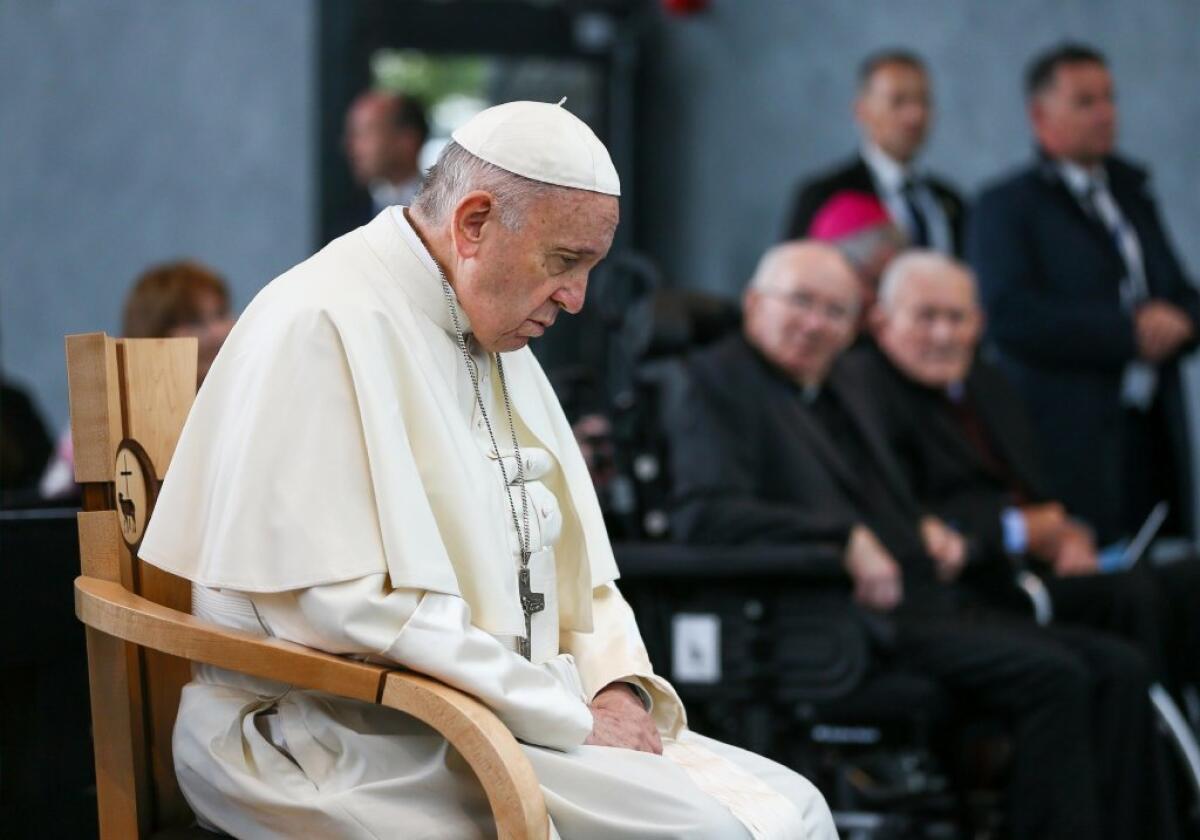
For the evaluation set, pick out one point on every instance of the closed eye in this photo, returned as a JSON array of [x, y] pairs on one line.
[[563, 262]]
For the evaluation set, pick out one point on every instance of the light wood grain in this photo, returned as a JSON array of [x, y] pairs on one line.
[[95, 405], [123, 796], [512, 789], [165, 677], [158, 386], [111, 609], [100, 544], [488, 747]]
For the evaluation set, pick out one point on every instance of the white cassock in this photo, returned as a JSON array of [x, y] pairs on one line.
[[335, 486]]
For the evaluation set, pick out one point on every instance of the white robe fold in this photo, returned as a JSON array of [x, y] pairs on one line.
[[259, 759]]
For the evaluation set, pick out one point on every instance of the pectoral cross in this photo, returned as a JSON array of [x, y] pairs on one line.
[[531, 602]]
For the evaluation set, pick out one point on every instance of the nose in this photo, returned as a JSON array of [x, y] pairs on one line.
[[571, 295], [942, 330]]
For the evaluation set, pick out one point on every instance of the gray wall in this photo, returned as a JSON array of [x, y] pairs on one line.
[[746, 98], [133, 131]]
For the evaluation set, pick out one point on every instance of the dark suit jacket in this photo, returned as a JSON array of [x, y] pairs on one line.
[[751, 464], [357, 210], [945, 469], [1050, 274], [855, 175]]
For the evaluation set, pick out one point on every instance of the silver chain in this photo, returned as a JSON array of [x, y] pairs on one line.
[[522, 532]]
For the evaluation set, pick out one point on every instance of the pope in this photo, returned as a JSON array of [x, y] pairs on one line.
[[376, 466]]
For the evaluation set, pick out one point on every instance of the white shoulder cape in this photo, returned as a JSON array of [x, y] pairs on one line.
[[326, 444]]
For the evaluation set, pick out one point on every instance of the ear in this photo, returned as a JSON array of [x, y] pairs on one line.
[[473, 219], [749, 301], [1035, 110], [859, 107], [847, 341], [980, 325], [876, 320]]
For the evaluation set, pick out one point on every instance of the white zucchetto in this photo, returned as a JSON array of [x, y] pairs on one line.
[[542, 142]]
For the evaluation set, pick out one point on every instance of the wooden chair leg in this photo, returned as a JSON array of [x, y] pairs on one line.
[[117, 738]]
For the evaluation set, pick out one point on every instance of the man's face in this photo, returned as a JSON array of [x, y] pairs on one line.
[[805, 316], [1076, 116], [894, 110], [377, 149], [931, 327], [514, 282]]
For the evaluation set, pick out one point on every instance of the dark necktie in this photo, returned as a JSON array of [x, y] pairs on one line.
[[920, 231]]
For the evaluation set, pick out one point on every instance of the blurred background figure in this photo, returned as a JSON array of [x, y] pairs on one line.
[[858, 225], [24, 445], [180, 299], [966, 444], [894, 109], [173, 300], [265, 130], [1089, 305], [385, 133]]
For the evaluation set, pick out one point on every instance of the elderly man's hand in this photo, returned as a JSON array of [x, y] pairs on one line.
[[1162, 328], [877, 581], [1044, 524], [1076, 553], [945, 545], [620, 720]]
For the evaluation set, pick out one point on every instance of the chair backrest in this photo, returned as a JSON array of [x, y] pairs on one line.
[[129, 399]]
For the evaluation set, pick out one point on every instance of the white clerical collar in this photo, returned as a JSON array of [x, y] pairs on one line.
[[431, 300], [889, 172], [1079, 179]]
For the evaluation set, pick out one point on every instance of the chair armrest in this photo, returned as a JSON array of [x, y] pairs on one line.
[[115, 611], [489, 748], [512, 789]]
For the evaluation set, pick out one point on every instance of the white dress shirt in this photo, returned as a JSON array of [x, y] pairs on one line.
[[890, 176]]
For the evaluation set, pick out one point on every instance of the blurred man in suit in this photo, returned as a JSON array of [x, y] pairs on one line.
[[776, 445], [1088, 305], [962, 436], [384, 135], [893, 110]]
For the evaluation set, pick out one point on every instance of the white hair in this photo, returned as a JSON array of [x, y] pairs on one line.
[[458, 172], [859, 248], [779, 258], [919, 261]]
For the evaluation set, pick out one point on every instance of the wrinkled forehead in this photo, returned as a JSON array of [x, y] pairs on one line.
[[822, 275], [576, 220], [950, 288]]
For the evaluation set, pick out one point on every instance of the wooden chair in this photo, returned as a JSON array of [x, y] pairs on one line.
[[129, 399]]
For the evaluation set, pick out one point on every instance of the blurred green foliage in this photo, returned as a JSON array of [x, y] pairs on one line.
[[431, 78]]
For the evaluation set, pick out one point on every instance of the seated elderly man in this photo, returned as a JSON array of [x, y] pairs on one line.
[[376, 466], [779, 445], [961, 433]]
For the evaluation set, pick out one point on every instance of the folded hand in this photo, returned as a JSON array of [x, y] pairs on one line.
[[620, 720]]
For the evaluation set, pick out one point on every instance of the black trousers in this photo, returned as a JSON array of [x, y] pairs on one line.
[[1086, 761], [1155, 607]]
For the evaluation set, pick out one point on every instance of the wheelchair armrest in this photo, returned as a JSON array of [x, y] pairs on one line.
[[814, 562], [1040, 601]]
